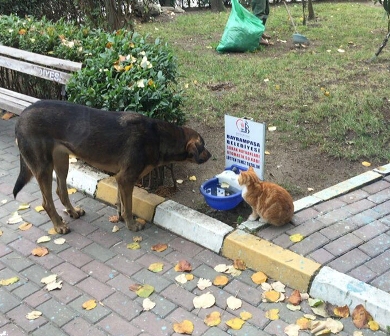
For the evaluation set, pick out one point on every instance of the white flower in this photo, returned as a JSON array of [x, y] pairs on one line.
[[142, 53], [140, 83], [145, 63]]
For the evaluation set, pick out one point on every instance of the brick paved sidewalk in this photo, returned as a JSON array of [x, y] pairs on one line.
[[95, 263]]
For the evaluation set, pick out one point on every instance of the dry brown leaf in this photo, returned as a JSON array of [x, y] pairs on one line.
[[213, 319], [271, 296], [220, 280], [90, 304], [259, 278], [295, 298], [341, 311], [40, 251], [159, 247], [235, 323], [183, 266], [184, 327], [239, 264], [25, 226], [113, 219], [233, 303], [7, 116], [360, 317], [135, 287], [141, 221]]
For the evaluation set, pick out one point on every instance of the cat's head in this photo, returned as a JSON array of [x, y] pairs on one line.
[[247, 177]]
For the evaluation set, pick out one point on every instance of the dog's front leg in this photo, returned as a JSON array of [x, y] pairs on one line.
[[125, 203]]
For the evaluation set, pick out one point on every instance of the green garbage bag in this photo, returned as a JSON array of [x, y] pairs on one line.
[[242, 32]]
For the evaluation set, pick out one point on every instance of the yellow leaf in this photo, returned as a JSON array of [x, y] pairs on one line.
[[267, 153], [90, 304], [33, 315], [1, 233], [213, 319], [7, 116], [295, 238], [366, 164], [245, 315], [272, 128], [373, 325], [137, 239], [39, 208], [10, 281], [145, 291], [220, 280], [24, 206], [52, 231], [72, 191], [25, 226], [184, 327], [272, 314], [235, 323], [304, 323], [156, 267], [159, 247], [271, 296], [40, 251], [189, 277], [258, 278], [133, 246]]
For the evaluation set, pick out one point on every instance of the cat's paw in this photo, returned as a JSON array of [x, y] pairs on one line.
[[252, 217]]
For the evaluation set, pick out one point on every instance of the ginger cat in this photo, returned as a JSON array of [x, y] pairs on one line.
[[269, 201]]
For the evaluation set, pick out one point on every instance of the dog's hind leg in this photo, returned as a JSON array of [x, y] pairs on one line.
[[61, 167]]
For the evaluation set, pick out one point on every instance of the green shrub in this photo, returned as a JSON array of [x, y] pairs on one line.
[[122, 70]]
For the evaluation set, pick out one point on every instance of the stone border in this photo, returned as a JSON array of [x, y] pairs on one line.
[[280, 264]]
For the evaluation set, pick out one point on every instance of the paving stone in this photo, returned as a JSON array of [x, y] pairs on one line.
[[383, 282], [334, 216], [163, 306], [113, 324], [80, 327], [56, 312], [122, 283], [93, 315], [186, 247], [95, 288], [214, 331], [124, 265], [309, 244], [271, 232], [307, 228], [18, 316], [276, 328], [75, 257], [205, 272], [380, 197], [179, 296], [144, 276], [70, 273], [77, 241], [375, 187], [376, 245], [343, 244], [98, 252], [67, 293], [23, 246], [123, 305], [188, 286], [149, 258], [353, 196], [359, 206], [383, 209], [25, 290], [11, 329], [104, 238], [99, 271], [16, 261], [305, 215], [152, 324], [349, 261], [339, 229], [379, 264], [7, 301], [82, 227], [181, 314], [371, 230], [321, 256], [329, 205], [283, 241], [37, 298], [35, 273], [363, 273], [48, 329], [244, 292]]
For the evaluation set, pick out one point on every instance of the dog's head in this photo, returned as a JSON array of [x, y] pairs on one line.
[[196, 150]]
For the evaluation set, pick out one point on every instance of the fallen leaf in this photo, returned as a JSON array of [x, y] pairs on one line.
[[90, 304], [59, 241], [239, 264], [1, 233], [366, 164], [245, 315], [213, 319], [141, 221], [204, 301], [33, 315], [179, 181], [221, 268], [259, 278], [272, 314], [233, 303], [310, 189], [220, 280], [115, 228], [135, 287], [159, 247], [265, 286], [10, 281], [145, 291], [203, 283], [43, 239], [23, 206], [357, 333], [39, 208], [304, 323], [189, 277], [133, 246], [7, 116], [181, 278], [54, 285], [184, 327], [292, 307], [279, 287], [148, 304], [156, 267], [40, 251], [341, 311], [315, 302], [15, 218], [25, 226], [113, 219], [235, 323], [137, 239], [233, 271], [183, 266], [373, 325], [360, 316], [292, 330], [295, 298], [272, 128], [271, 296], [340, 50], [72, 191], [52, 231], [320, 310], [49, 278], [192, 178], [334, 326], [295, 238], [267, 153], [310, 316]]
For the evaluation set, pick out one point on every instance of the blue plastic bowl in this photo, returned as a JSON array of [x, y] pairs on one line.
[[218, 202]]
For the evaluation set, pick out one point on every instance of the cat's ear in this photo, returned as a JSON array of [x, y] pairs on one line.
[[250, 168]]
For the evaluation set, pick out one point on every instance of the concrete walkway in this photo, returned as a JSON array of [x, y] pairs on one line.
[[344, 259]]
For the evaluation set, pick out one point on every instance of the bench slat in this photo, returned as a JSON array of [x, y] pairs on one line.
[[40, 59], [17, 95], [15, 105], [35, 70]]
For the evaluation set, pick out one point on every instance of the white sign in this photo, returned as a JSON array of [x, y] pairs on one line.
[[245, 144]]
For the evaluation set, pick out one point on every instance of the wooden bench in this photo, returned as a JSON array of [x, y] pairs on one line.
[[50, 68]]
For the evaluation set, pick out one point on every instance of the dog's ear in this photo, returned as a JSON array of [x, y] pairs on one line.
[[192, 151]]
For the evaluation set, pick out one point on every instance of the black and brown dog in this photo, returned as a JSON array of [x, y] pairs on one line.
[[126, 144]]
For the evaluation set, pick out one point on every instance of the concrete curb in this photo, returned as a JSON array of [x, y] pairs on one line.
[[280, 264]]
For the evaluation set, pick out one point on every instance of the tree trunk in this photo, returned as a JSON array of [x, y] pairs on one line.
[[217, 6], [114, 15], [311, 10]]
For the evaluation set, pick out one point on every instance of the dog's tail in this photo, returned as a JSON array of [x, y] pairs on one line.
[[24, 177]]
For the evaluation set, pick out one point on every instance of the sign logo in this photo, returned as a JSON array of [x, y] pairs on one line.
[[242, 126]]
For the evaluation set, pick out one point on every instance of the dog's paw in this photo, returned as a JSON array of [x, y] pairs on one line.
[[62, 229], [135, 226], [76, 212]]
